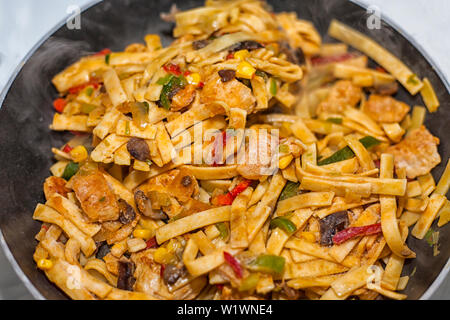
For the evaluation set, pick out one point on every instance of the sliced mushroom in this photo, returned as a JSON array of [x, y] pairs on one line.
[[293, 55], [246, 45], [199, 44], [144, 206], [139, 149], [127, 213], [332, 224], [385, 89], [186, 181], [102, 249], [126, 280], [227, 75], [172, 273]]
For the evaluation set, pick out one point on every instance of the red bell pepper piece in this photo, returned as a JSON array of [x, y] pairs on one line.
[[103, 52], [233, 263], [151, 243], [353, 232], [230, 56], [201, 84], [315, 61], [78, 89], [161, 272], [228, 198], [59, 104], [67, 148], [172, 68]]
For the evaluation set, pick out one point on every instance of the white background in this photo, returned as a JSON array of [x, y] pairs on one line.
[[24, 22]]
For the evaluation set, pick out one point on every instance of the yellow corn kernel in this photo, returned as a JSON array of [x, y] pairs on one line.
[[142, 233], [193, 78], [241, 54], [79, 154], [163, 256], [245, 70], [44, 264], [285, 161], [308, 236]]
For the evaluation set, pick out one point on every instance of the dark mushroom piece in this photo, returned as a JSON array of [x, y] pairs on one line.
[[126, 212], [186, 181], [386, 89], [246, 45], [172, 273], [102, 249], [199, 44], [139, 149], [293, 55], [227, 75], [144, 206], [126, 280], [332, 224]]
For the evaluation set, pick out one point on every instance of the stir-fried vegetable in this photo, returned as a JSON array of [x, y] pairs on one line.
[[59, 104], [268, 263], [347, 153], [284, 224], [228, 198], [170, 83], [87, 108], [335, 120], [70, 170], [233, 263], [289, 190], [353, 232], [223, 229], [249, 283], [93, 82], [273, 87]]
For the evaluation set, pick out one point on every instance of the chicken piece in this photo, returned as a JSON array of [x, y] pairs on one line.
[[149, 280], [183, 98], [342, 94], [234, 93], [53, 185], [385, 108], [417, 153], [258, 157], [178, 183], [96, 197]]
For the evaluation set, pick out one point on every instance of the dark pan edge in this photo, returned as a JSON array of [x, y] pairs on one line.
[[446, 269], [37, 295], [22, 276]]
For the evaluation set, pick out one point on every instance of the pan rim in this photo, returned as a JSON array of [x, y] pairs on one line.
[[14, 264]]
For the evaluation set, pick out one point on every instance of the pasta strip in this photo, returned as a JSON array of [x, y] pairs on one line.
[[372, 49]]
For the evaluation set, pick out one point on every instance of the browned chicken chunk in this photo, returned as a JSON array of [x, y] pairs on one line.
[[54, 185], [96, 197], [233, 93], [258, 158], [183, 98], [149, 280], [178, 183], [342, 94], [385, 108], [417, 153]]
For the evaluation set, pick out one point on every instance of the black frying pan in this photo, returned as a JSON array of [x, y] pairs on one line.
[[25, 139]]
